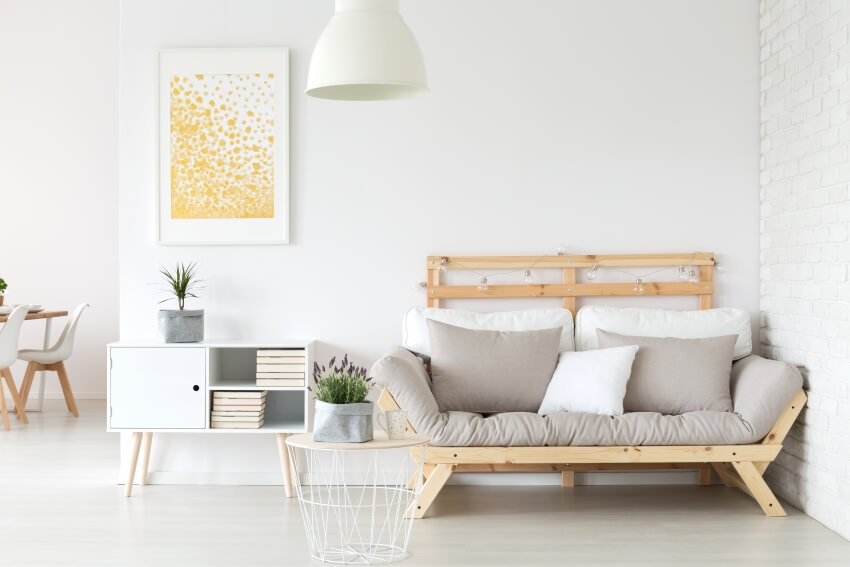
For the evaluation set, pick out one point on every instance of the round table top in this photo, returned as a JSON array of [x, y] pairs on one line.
[[381, 441]]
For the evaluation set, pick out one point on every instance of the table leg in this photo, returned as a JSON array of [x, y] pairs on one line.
[[43, 374]]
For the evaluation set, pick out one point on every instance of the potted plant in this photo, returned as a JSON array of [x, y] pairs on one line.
[[342, 413], [3, 287], [181, 325]]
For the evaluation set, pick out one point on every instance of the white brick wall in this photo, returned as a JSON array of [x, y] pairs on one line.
[[805, 250]]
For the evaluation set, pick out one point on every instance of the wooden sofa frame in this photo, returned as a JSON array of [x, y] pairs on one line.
[[738, 466]]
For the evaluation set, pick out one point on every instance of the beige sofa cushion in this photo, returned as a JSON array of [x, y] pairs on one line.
[[675, 376], [491, 371], [761, 388]]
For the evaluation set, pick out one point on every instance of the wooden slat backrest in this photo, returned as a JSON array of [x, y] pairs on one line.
[[569, 289]]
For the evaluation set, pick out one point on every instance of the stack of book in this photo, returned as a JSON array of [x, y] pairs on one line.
[[238, 410], [281, 367]]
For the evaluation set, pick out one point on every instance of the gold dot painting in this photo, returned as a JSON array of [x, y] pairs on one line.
[[222, 146]]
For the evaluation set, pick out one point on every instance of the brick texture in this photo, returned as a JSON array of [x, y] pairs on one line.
[[805, 250]]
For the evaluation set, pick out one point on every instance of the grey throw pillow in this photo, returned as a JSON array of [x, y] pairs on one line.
[[674, 376], [491, 371]]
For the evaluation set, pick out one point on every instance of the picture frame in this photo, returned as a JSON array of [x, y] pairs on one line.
[[223, 146]]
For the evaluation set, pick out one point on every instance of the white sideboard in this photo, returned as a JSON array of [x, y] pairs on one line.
[[155, 387]]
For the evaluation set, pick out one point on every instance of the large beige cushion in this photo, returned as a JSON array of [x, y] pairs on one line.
[[675, 376], [415, 325], [663, 323], [491, 371]]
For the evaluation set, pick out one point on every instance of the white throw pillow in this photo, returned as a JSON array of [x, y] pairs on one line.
[[415, 326], [593, 381], [663, 323]]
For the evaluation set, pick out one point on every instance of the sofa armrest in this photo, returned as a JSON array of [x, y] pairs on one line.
[[404, 376], [761, 389]]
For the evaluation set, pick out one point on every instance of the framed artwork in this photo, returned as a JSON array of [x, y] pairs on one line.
[[223, 146]]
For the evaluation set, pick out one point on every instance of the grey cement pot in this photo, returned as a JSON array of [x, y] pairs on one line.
[[343, 423], [176, 326]]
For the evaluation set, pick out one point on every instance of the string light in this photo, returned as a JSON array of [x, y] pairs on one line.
[[443, 262], [683, 273], [638, 289], [527, 277], [591, 273], [419, 286], [561, 250], [482, 287]]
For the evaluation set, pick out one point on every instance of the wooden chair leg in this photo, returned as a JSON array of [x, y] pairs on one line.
[[432, 488], [758, 488], [66, 388], [3, 411], [26, 383], [19, 407], [568, 478]]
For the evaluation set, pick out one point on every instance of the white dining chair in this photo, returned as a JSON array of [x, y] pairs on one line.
[[8, 355], [53, 359]]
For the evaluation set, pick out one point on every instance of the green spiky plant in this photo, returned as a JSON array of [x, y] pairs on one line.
[[343, 384], [182, 283], [3, 286]]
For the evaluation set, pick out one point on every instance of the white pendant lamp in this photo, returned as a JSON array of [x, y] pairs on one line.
[[366, 52]]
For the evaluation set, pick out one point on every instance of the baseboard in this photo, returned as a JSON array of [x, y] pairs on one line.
[[59, 396], [606, 478]]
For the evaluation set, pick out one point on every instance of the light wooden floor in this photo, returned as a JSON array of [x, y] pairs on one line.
[[59, 505]]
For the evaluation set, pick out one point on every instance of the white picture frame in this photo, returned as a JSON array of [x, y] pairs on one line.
[[223, 146]]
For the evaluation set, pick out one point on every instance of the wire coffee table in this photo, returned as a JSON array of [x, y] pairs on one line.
[[357, 499]]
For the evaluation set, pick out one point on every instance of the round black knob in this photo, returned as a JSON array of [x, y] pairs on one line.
[[196, 387]]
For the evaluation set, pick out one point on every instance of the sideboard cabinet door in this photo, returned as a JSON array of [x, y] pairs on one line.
[[157, 388]]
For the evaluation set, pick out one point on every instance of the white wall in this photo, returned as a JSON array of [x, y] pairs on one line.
[[805, 249], [611, 126], [59, 172]]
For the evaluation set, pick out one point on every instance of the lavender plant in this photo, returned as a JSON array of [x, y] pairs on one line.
[[343, 384]]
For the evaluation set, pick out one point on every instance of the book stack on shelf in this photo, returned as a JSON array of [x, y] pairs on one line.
[[281, 367], [238, 410]]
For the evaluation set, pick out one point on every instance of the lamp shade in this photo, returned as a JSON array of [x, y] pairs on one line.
[[366, 52]]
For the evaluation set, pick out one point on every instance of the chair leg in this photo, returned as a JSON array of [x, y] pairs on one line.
[[19, 407], [26, 383], [3, 412], [66, 387]]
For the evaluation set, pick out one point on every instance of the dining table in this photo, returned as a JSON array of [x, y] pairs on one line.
[[48, 317]]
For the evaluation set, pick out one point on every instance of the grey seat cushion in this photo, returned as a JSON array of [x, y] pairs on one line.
[[760, 388]]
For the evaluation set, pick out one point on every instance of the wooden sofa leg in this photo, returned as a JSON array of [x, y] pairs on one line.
[[705, 478], [432, 488], [726, 474], [568, 478], [758, 488]]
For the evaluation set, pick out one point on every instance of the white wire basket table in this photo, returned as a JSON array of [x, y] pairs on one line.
[[357, 499]]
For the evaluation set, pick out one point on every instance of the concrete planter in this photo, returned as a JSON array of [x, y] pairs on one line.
[[343, 423], [176, 326]]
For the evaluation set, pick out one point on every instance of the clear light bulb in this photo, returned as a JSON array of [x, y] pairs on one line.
[[443, 262], [482, 287], [527, 277], [591, 273], [683, 273], [418, 286], [720, 268], [561, 250], [638, 289], [692, 276]]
